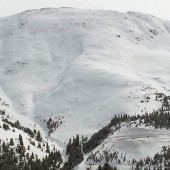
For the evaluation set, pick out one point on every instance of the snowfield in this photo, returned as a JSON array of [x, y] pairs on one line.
[[85, 66]]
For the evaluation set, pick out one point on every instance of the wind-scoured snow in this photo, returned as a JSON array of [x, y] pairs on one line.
[[83, 65]]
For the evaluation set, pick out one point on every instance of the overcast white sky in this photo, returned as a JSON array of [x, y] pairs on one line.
[[159, 8]]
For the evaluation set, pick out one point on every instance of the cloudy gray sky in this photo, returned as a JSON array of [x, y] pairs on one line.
[[159, 8]]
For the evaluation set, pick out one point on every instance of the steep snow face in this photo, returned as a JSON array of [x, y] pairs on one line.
[[85, 66]]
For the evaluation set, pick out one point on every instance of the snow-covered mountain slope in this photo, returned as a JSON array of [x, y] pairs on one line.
[[81, 67], [127, 144]]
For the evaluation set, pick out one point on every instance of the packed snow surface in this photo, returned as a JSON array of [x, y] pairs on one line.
[[82, 65]]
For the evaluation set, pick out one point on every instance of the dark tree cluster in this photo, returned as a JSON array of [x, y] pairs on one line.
[[52, 125], [2, 112], [102, 134], [33, 134], [16, 158], [160, 161], [75, 154], [96, 139], [107, 156], [164, 100], [5, 126], [38, 136], [157, 119], [106, 166]]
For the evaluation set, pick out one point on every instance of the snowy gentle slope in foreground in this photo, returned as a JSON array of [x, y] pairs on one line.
[[83, 66]]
